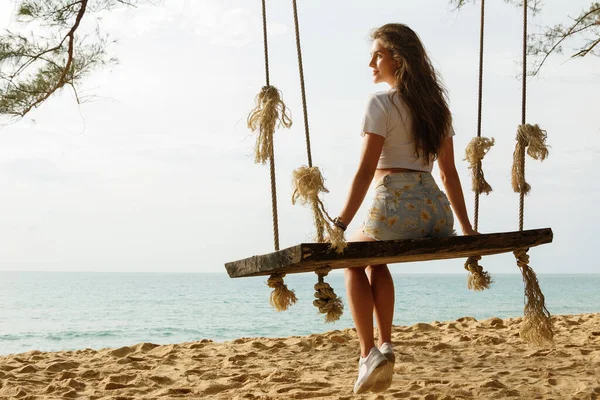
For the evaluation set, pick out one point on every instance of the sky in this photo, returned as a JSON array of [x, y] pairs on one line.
[[155, 172]]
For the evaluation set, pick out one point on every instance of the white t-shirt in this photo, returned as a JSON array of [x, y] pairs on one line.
[[382, 118]]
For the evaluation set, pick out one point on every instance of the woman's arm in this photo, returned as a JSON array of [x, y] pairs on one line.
[[371, 150], [452, 185]]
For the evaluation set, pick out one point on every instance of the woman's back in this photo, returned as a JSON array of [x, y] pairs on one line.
[[387, 115]]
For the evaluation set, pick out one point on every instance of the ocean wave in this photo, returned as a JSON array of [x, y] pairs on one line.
[[73, 334]]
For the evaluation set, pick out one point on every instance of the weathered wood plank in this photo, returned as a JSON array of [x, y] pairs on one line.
[[307, 257], [267, 262]]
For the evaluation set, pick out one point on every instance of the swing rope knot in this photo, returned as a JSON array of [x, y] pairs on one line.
[[478, 279], [326, 300], [322, 272], [281, 297], [537, 326], [476, 150], [522, 258], [531, 140], [308, 185], [270, 110]]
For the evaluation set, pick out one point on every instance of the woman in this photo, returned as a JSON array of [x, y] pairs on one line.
[[405, 130]]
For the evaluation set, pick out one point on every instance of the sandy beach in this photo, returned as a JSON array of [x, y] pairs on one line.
[[462, 359]]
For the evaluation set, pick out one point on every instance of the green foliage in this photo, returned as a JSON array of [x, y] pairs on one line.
[[34, 66], [582, 31]]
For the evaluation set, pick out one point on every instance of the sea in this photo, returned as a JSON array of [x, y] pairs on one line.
[[52, 311]]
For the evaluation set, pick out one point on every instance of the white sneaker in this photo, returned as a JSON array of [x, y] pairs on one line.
[[384, 380], [369, 369], [387, 350]]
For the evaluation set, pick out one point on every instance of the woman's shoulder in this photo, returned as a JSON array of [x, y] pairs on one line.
[[386, 97], [389, 99], [381, 95], [379, 98]]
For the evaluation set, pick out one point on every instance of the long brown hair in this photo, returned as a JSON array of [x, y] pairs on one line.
[[419, 86]]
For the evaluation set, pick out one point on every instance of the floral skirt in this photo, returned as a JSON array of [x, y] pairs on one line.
[[409, 205]]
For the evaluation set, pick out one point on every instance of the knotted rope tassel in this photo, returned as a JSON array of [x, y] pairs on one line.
[[269, 110], [537, 327], [476, 150], [478, 278], [308, 184], [281, 297], [532, 139], [327, 301]]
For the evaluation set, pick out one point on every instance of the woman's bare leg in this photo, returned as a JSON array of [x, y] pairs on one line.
[[368, 290], [382, 286], [360, 298]]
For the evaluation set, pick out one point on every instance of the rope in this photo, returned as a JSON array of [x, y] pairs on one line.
[[308, 184], [523, 112], [308, 181], [531, 139], [537, 326], [269, 112], [265, 42], [272, 152], [274, 201], [281, 297], [478, 279], [326, 300], [476, 150], [301, 69], [479, 107]]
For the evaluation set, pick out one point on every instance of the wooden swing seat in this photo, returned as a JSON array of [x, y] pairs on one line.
[[306, 257]]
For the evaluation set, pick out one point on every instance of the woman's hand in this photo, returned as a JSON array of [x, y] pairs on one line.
[[469, 231]]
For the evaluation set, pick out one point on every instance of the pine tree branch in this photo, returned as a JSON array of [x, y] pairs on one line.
[[543, 45], [558, 34], [33, 68], [34, 58], [29, 11], [556, 45], [62, 80], [584, 52]]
